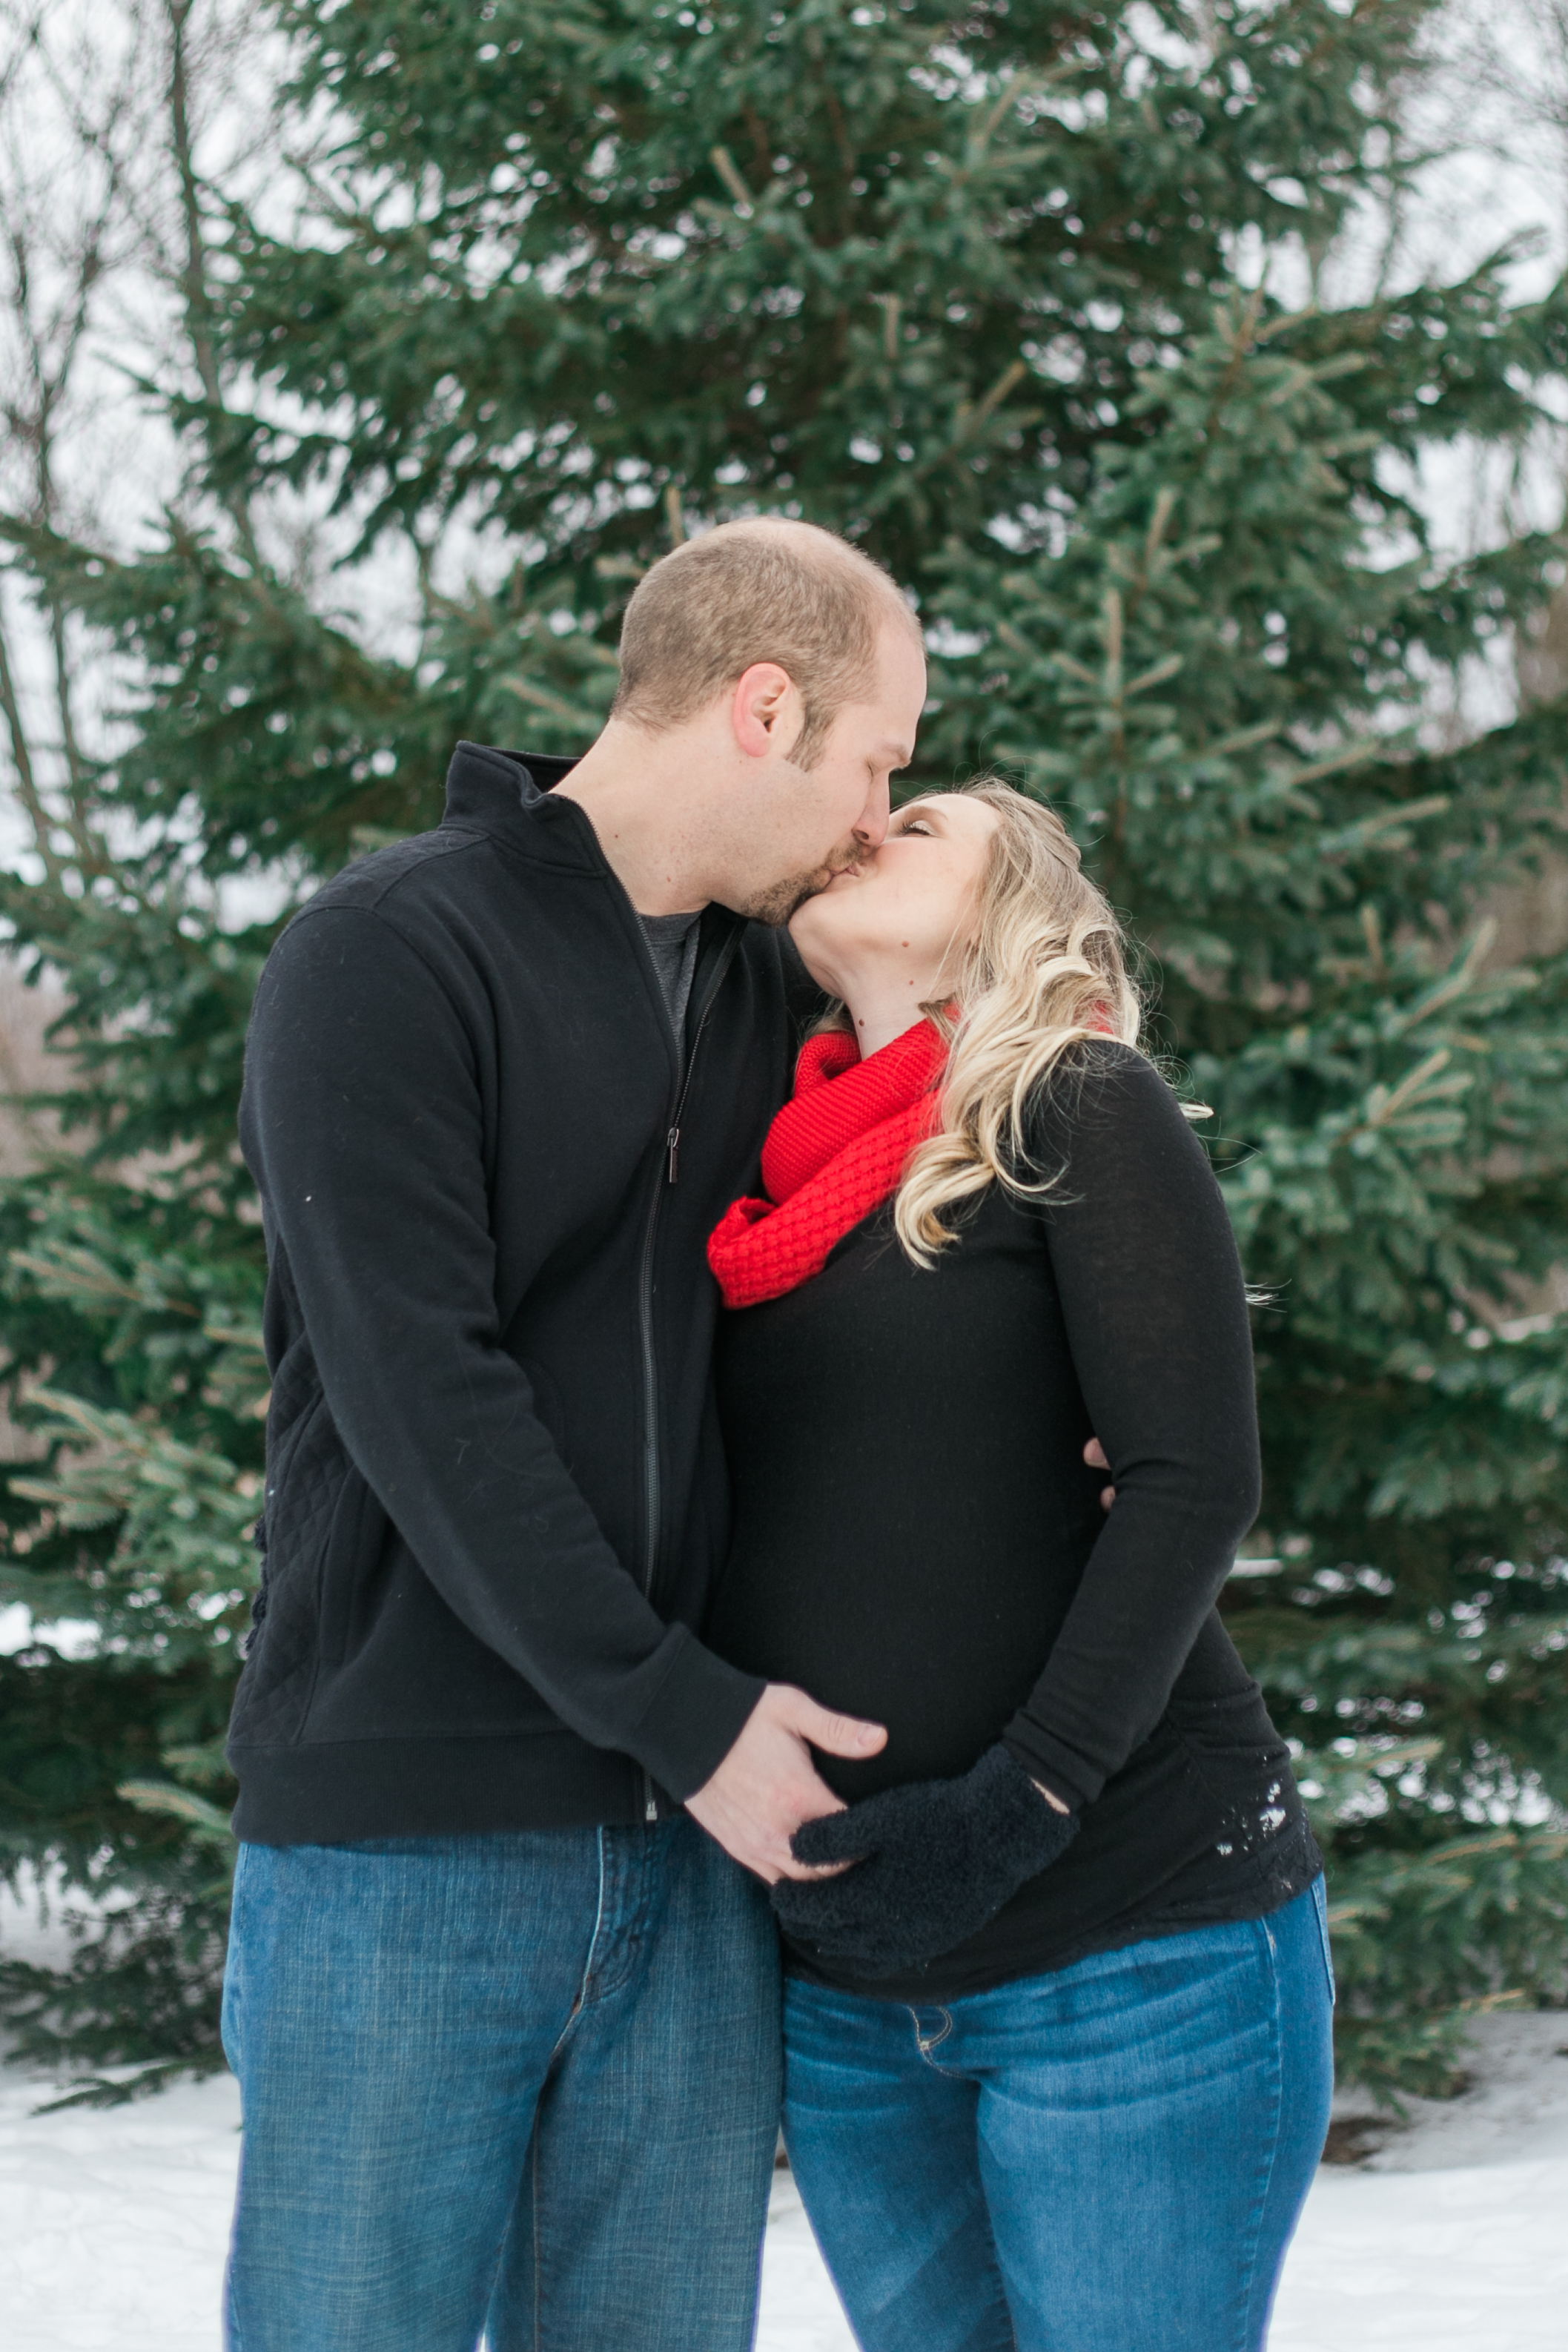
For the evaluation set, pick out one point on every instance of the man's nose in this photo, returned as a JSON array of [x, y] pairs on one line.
[[871, 829]]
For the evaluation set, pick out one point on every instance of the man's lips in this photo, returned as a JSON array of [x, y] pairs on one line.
[[823, 879]]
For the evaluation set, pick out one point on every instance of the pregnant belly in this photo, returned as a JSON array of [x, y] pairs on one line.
[[945, 1663]]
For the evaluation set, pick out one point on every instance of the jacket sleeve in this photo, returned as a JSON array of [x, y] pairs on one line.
[[362, 1124], [1151, 1288]]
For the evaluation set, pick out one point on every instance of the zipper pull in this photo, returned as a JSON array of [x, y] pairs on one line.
[[673, 1145]]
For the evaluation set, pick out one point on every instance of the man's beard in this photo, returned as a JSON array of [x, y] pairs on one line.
[[775, 905]]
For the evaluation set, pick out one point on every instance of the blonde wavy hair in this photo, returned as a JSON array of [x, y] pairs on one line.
[[1044, 970]]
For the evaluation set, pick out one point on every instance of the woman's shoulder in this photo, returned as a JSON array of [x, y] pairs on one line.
[[1101, 1075], [1103, 1093]]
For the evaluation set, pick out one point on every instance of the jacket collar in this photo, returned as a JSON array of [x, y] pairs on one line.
[[508, 793], [511, 794]]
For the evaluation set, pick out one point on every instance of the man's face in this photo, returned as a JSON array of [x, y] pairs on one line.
[[824, 819]]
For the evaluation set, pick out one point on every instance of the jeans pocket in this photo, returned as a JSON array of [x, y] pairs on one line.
[[1318, 1891]]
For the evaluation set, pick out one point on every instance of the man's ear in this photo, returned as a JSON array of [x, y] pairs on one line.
[[766, 711]]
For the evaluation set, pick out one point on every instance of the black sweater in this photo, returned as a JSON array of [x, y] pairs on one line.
[[495, 1494], [917, 1539]]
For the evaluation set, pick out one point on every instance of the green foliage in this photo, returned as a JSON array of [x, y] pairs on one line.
[[140, 1997], [139, 2008], [980, 290]]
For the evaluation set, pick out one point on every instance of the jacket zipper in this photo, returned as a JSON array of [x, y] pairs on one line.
[[652, 1500]]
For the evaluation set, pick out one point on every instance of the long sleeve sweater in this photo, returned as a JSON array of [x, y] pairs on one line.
[[917, 1539]]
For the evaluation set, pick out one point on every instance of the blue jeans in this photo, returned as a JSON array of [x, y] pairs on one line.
[[523, 2084], [1111, 2157]]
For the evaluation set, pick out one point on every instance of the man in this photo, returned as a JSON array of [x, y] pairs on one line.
[[503, 2013]]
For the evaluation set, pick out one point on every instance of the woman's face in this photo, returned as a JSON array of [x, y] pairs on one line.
[[906, 910]]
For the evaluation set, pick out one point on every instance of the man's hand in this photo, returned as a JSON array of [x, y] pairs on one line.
[[1094, 1454], [768, 1785]]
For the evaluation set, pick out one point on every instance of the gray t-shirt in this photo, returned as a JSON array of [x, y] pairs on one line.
[[672, 944]]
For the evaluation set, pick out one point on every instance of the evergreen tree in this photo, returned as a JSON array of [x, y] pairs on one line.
[[985, 292]]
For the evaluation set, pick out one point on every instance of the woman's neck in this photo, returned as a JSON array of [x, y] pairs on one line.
[[880, 1013]]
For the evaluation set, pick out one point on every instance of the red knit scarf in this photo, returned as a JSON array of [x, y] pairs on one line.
[[835, 1151]]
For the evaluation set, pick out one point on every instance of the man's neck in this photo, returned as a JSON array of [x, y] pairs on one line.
[[635, 791]]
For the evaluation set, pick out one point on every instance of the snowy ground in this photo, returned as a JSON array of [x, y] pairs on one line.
[[1451, 2235]]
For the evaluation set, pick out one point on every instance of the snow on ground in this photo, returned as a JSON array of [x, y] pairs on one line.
[[1449, 2239], [113, 2223]]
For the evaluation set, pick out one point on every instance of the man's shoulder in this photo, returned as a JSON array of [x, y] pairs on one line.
[[413, 913], [453, 890], [454, 895], [403, 876]]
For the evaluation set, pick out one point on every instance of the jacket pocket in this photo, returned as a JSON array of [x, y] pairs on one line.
[[303, 1486], [356, 1539]]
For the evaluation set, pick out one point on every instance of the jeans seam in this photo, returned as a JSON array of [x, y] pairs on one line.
[[534, 2217], [925, 2047], [1318, 1893], [578, 2006], [581, 2003], [1244, 2338]]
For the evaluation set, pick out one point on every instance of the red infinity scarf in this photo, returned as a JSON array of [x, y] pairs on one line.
[[834, 1153]]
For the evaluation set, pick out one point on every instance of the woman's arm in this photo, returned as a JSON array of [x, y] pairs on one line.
[[1157, 1318], [1152, 1294]]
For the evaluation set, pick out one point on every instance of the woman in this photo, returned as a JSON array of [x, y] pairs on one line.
[[1057, 2051]]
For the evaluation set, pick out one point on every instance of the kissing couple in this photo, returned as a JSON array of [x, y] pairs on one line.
[[721, 1236]]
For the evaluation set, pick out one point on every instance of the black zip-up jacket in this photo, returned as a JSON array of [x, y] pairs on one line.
[[496, 1492]]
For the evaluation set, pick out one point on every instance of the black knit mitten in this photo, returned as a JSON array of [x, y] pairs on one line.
[[933, 1861]]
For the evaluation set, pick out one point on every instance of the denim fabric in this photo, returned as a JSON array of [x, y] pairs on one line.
[[1111, 2157], [524, 2083]]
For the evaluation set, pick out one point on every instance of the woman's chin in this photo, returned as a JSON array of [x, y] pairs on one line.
[[811, 928]]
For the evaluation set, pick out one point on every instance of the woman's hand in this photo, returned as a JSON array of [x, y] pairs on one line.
[[933, 1862]]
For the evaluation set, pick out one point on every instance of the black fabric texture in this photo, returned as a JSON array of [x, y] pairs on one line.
[[496, 1493], [933, 1863], [918, 1541]]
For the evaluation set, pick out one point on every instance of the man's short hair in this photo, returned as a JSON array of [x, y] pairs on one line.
[[753, 591]]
